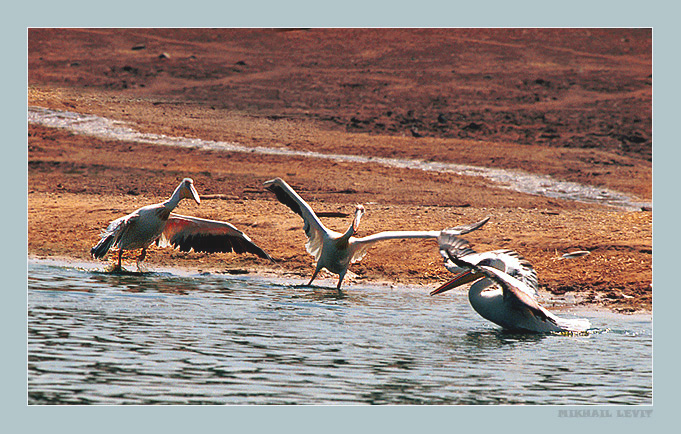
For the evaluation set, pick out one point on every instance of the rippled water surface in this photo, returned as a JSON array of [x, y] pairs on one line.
[[177, 338]]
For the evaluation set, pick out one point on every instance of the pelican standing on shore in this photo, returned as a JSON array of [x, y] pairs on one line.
[[157, 224], [333, 250], [512, 304]]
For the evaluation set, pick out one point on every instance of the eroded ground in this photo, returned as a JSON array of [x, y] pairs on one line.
[[573, 104]]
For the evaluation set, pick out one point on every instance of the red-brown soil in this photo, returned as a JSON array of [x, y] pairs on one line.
[[573, 104]]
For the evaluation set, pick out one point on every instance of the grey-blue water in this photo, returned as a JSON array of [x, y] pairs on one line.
[[171, 337]]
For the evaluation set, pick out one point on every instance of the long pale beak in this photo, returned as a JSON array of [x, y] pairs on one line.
[[458, 280], [358, 216], [195, 194]]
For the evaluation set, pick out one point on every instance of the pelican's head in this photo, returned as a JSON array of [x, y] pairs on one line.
[[187, 190], [359, 212]]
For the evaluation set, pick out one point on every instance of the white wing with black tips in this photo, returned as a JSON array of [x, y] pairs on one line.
[[506, 260], [335, 251], [513, 306], [313, 227]]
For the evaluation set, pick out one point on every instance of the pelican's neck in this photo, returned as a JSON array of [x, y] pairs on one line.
[[350, 232], [354, 225], [174, 199], [475, 297]]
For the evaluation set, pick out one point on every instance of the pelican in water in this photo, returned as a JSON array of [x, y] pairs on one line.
[[512, 304], [335, 251], [157, 224]]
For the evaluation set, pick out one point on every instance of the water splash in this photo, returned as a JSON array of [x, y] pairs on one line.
[[516, 180]]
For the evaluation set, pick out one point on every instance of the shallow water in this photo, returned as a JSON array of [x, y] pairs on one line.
[[512, 179], [177, 338]]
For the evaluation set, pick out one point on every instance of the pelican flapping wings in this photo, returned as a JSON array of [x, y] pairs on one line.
[[157, 223], [512, 304], [333, 250]]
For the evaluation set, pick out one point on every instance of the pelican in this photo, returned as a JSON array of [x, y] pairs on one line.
[[335, 251], [505, 260], [157, 224], [513, 306]]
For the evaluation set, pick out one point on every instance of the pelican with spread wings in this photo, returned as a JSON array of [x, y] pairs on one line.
[[510, 302], [333, 250], [158, 224]]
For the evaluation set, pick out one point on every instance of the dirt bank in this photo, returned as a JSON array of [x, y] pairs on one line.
[[573, 104]]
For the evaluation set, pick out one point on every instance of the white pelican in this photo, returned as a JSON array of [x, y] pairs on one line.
[[156, 223], [333, 250], [505, 260], [513, 306]]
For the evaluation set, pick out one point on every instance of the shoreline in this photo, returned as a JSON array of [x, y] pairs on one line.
[[546, 299], [586, 119]]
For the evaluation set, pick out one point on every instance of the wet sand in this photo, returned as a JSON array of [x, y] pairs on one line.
[[563, 103]]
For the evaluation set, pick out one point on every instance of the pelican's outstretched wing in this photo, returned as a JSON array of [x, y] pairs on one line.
[[204, 235], [516, 295], [520, 268], [449, 238], [507, 260], [464, 229], [363, 244], [452, 245], [314, 229], [512, 288]]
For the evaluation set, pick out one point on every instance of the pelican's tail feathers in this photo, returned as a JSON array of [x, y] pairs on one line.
[[103, 246]]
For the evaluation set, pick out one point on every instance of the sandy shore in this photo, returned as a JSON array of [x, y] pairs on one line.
[[568, 108]]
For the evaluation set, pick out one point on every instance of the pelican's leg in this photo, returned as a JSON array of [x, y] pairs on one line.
[[120, 256], [340, 280], [141, 257], [313, 275]]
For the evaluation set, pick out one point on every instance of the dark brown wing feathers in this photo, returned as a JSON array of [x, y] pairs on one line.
[[187, 233]]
